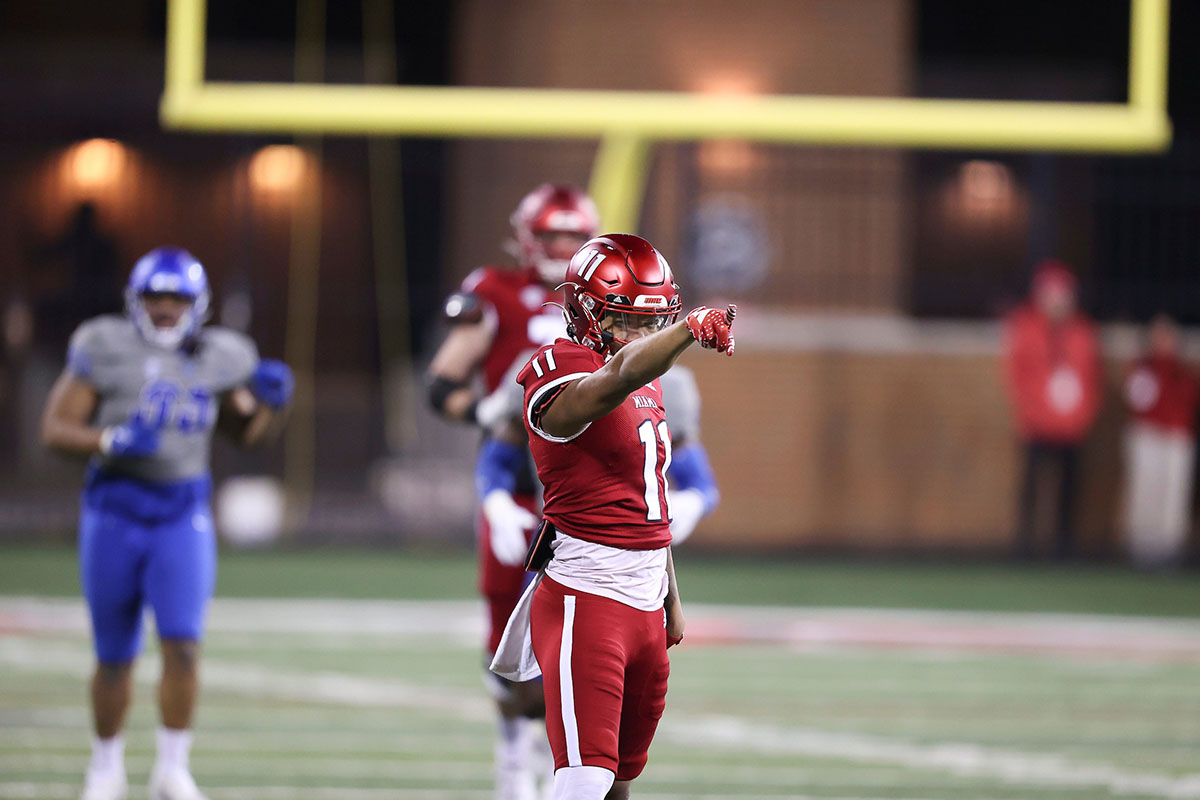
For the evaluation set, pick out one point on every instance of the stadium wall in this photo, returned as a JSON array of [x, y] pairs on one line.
[[884, 434]]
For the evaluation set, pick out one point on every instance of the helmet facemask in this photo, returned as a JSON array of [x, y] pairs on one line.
[[614, 322], [549, 253], [168, 337]]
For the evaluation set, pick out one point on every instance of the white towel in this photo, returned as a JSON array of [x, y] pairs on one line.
[[514, 657]]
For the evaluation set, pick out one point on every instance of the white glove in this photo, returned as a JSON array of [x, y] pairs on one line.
[[687, 508], [507, 524]]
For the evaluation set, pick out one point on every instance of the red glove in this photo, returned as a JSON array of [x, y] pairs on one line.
[[712, 327], [672, 641]]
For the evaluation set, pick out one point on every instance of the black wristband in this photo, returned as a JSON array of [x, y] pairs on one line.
[[471, 415], [441, 388]]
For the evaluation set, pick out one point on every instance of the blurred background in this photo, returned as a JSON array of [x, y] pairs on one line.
[[868, 410], [951, 363], [872, 279]]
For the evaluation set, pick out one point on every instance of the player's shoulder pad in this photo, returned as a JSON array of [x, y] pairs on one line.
[[463, 308], [98, 342], [679, 386], [236, 351], [476, 277], [564, 358], [105, 332], [547, 375], [681, 399]]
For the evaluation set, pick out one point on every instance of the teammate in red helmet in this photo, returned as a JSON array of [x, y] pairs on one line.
[[605, 607], [500, 315]]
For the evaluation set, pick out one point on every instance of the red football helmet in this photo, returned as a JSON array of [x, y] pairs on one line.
[[622, 278], [549, 225]]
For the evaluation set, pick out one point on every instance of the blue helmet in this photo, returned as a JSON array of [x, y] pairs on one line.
[[175, 271]]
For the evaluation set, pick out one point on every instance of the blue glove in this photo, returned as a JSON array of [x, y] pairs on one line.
[[132, 439], [272, 383]]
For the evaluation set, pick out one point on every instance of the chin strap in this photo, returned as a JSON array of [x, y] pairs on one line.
[[606, 337]]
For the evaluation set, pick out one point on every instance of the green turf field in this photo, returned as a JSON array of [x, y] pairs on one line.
[[424, 574], [354, 676]]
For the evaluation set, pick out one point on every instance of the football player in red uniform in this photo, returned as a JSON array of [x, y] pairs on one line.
[[501, 313], [605, 607]]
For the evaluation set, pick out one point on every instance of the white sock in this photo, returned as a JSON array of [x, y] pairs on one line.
[[512, 742], [541, 756], [108, 755], [174, 744], [582, 783]]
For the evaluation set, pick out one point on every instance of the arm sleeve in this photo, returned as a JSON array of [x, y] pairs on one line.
[[96, 350], [81, 353], [691, 469], [547, 374], [497, 466]]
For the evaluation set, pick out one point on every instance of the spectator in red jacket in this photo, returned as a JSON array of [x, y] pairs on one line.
[[1052, 359], [1160, 451]]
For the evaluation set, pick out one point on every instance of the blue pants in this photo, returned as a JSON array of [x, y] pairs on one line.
[[145, 544]]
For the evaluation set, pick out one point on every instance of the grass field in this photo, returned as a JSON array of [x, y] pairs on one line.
[[348, 676]]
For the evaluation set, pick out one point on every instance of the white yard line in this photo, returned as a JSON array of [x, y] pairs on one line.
[[344, 765], [957, 758], [1120, 637], [725, 733], [62, 791], [263, 682], [17, 790]]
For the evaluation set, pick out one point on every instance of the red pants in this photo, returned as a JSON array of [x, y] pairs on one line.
[[500, 585], [605, 669]]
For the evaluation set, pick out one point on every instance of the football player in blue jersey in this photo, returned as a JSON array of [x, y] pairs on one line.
[[693, 486], [139, 398]]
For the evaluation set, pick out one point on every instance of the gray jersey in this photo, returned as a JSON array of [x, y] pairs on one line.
[[179, 389], [681, 400]]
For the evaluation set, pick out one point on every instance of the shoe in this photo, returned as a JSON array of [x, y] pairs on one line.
[[173, 784], [110, 785]]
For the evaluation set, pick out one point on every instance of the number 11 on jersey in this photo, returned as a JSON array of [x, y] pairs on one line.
[[652, 469]]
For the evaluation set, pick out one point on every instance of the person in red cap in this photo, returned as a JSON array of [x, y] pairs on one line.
[[1161, 393], [1052, 361]]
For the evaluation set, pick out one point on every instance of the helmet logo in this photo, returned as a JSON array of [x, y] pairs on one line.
[[650, 301], [589, 261]]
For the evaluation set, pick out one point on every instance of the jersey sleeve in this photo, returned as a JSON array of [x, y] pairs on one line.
[[81, 353], [95, 351], [238, 357], [547, 374], [681, 398]]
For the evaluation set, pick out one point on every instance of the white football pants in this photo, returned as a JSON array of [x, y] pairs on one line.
[[1158, 492]]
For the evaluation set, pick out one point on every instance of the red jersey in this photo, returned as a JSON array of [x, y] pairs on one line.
[[1163, 392], [514, 302], [606, 484], [1054, 375]]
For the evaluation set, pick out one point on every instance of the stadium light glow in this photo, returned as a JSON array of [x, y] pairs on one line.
[[278, 168], [96, 163], [985, 183]]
